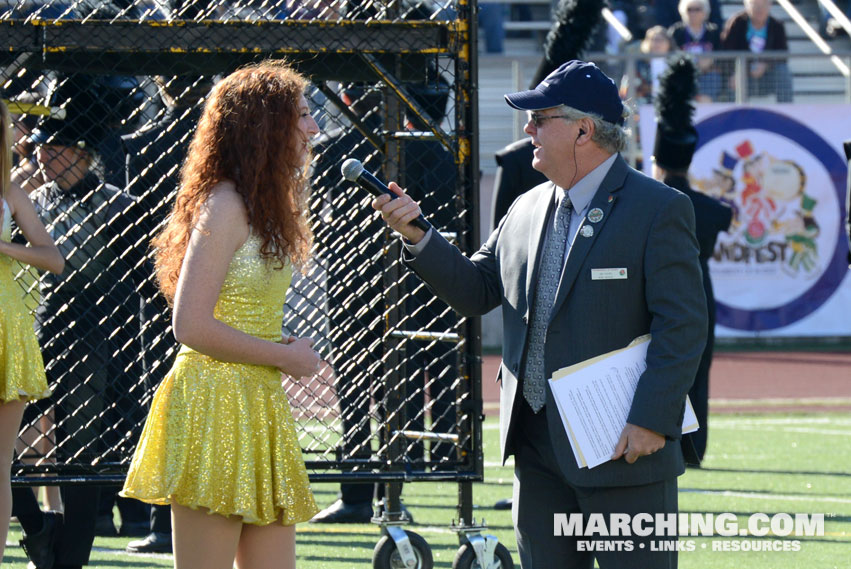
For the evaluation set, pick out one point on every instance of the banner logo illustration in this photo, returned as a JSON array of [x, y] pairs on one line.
[[782, 257]]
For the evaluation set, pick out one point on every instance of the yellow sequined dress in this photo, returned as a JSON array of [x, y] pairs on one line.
[[21, 366], [221, 435]]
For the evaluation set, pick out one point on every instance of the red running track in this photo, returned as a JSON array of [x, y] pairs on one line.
[[753, 381]]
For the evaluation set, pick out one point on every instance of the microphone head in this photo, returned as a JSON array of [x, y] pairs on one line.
[[352, 168]]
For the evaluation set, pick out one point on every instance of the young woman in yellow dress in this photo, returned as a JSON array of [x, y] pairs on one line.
[[21, 367], [220, 444]]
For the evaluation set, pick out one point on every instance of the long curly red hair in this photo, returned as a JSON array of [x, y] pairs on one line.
[[247, 134]]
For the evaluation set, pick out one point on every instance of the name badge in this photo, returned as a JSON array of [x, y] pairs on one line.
[[607, 274]]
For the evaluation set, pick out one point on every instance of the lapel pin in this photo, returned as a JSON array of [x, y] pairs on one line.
[[595, 215], [611, 199], [587, 231]]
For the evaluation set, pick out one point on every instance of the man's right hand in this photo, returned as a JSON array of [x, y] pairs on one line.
[[398, 213], [636, 442]]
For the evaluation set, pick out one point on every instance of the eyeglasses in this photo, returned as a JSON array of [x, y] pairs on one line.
[[537, 120], [694, 9]]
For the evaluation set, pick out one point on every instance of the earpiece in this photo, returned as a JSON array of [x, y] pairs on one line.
[[581, 132]]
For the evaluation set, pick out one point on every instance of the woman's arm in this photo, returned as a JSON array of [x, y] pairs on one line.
[[27, 175], [41, 251], [221, 229]]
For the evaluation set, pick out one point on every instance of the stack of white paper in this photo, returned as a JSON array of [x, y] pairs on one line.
[[594, 398]]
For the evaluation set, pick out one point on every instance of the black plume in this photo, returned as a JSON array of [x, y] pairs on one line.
[[676, 137], [574, 23], [677, 89]]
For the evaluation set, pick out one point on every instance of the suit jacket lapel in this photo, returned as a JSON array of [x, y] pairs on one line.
[[613, 182], [537, 229]]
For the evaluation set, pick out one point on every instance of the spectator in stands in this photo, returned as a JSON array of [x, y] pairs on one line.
[[627, 13], [755, 30], [191, 9], [605, 37], [492, 20], [124, 417], [667, 12], [658, 45], [694, 34], [829, 27]]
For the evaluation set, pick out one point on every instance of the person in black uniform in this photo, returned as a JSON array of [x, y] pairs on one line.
[[676, 140], [514, 176], [430, 174], [847, 145], [88, 317], [356, 289]]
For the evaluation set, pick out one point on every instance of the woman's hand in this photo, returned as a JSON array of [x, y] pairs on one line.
[[299, 358]]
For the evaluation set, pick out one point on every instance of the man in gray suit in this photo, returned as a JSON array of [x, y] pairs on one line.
[[595, 214]]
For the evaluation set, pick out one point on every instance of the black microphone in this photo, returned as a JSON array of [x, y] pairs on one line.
[[354, 171]]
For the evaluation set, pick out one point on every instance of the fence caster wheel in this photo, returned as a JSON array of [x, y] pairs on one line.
[[402, 549], [466, 558]]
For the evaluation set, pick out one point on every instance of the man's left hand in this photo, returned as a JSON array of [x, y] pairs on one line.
[[637, 441]]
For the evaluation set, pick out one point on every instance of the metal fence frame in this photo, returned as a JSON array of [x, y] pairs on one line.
[[372, 51]]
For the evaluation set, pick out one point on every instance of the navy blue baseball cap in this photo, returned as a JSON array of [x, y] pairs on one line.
[[576, 84]]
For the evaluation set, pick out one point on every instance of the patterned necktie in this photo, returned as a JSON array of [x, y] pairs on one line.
[[545, 293]]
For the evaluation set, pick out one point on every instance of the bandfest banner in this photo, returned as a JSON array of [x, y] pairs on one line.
[[781, 269]]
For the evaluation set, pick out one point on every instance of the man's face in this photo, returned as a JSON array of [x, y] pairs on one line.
[[65, 165], [758, 11], [554, 138]]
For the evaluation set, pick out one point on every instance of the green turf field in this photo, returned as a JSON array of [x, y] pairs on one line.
[[771, 463]]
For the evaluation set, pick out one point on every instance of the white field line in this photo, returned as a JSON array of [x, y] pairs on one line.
[[780, 402], [769, 497], [785, 430], [110, 551], [782, 420]]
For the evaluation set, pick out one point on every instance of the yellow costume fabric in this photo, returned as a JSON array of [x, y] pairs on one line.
[[221, 435], [21, 365]]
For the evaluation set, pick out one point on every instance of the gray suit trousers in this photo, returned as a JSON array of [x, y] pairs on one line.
[[540, 490]]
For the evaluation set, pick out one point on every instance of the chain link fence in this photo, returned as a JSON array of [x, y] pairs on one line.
[[105, 97]]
